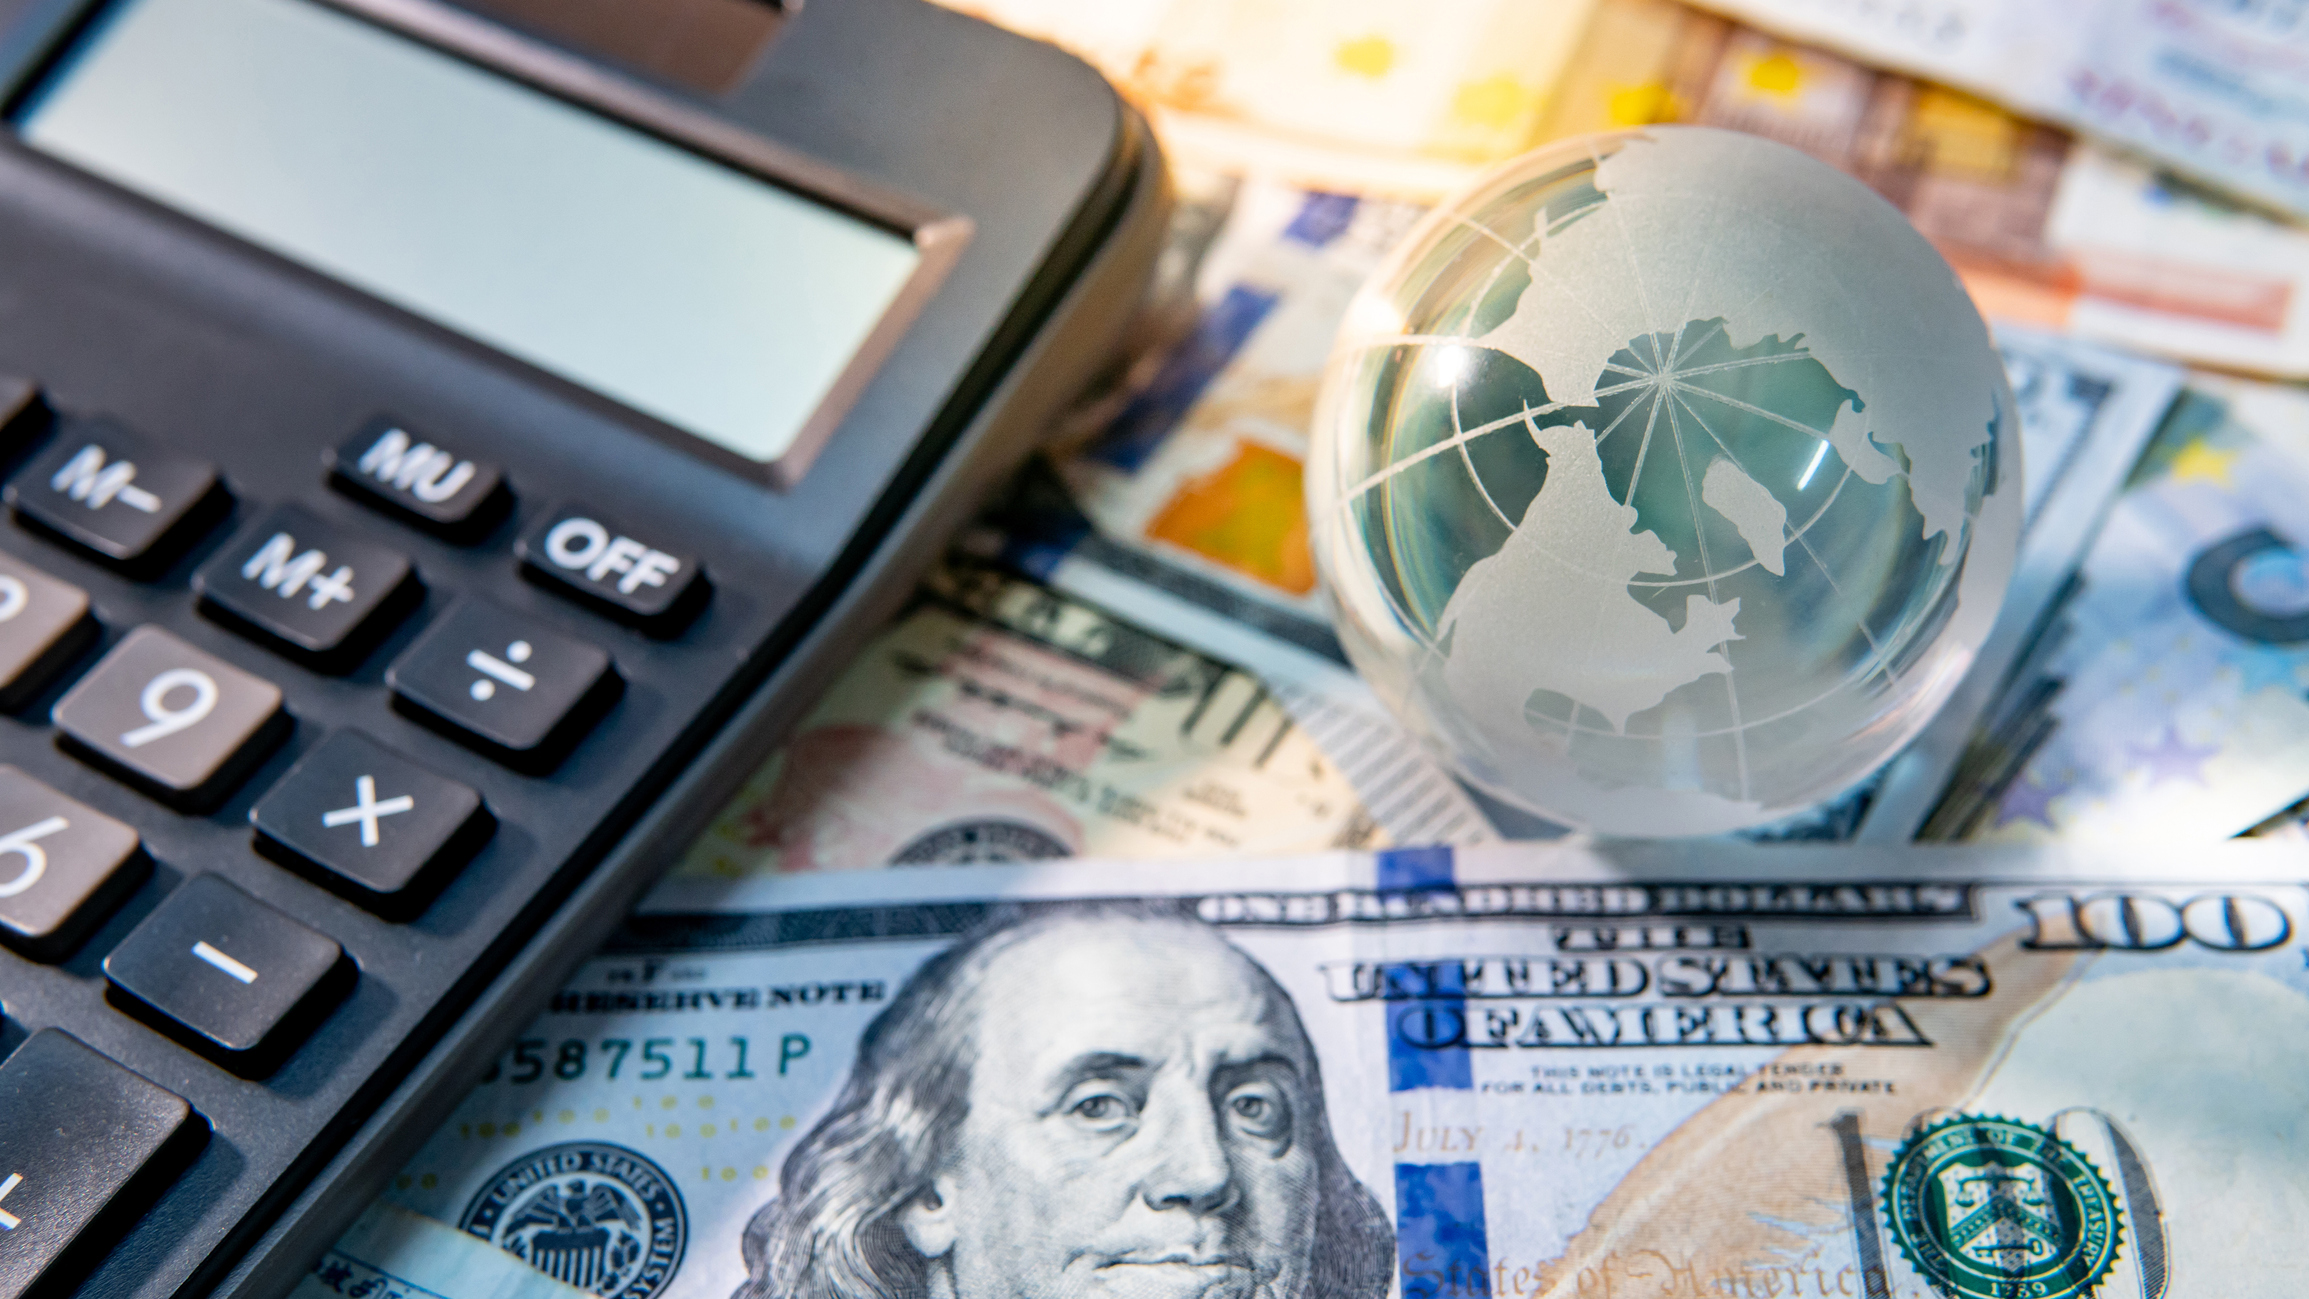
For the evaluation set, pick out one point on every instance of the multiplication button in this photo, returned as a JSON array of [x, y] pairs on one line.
[[76, 1132], [507, 685], [240, 977], [371, 819], [308, 587], [113, 493], [177, 722], [44, 624], [63, 865]]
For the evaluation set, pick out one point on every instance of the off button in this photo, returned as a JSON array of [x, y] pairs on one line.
[[632, 578]]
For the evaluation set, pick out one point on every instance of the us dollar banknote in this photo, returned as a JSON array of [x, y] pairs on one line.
[[1533, 1070]]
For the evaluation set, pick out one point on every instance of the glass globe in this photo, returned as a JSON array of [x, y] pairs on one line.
[[1665, 482]]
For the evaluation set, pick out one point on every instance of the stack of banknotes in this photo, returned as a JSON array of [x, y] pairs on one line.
[[1307, 1018]]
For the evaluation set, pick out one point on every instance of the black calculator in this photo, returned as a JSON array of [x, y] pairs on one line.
[[443, 447]]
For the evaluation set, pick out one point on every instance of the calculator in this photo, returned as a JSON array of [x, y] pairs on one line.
[[443, 447]]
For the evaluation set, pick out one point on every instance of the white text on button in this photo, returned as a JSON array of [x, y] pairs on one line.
[[280, 569], [223, 962], [9, 1221], [583, 544], [87, 479]]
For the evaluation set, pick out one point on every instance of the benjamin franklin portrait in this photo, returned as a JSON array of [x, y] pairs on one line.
[[1090, 1100]]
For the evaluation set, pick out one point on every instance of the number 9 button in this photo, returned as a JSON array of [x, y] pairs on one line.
[[175, 721]]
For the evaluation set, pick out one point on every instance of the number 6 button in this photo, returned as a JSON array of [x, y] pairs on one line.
[[177, 722]]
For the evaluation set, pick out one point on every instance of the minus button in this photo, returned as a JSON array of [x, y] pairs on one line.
[[223, 962]]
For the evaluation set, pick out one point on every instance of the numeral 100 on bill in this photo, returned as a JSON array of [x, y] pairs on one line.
[[2226, 922]]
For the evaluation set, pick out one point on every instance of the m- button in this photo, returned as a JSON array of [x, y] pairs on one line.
[[108, 490], [308, 587], [573, 550]]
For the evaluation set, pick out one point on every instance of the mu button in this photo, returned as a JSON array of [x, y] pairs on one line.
[[371, 819], [308, 587]]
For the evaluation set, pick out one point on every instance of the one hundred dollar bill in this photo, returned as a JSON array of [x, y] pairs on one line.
[[997, 720], [1532, 1070]]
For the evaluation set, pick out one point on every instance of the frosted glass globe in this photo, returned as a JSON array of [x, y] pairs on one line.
[[1665, 482]]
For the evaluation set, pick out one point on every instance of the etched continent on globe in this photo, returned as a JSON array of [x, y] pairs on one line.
[[1658, 485]]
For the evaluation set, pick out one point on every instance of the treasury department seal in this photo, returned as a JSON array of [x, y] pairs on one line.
[[1991, 1208], [587, 1213]]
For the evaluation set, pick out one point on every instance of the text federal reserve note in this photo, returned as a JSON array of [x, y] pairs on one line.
[[1558, 1071]]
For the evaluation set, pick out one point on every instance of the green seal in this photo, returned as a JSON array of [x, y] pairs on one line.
[[1989, 1208]]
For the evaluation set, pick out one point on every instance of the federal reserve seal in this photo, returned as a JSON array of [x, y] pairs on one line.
[[592, 1215], [974, 843], [1990, 1208]]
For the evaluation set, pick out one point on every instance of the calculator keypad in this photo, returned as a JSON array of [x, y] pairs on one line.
[[308, 587], [226, 967], [177, 721], [509, 685], [44, 624], [116, 495], [62, 866], [370, 818], [75, 1131]]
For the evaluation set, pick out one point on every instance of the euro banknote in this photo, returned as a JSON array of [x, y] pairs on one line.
[[2211, 87], [2172, 703], [1535, 1070], [2044, 228], [1353, 95]]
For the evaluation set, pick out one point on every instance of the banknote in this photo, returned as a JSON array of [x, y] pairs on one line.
[[2086, 414], [391, 1253], [997, 720], [2043, 228], [2173, 705], [2212, 87], [1528, 1070], [1352, 95]]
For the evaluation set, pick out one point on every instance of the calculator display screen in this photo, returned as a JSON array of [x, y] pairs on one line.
[[685, 288]]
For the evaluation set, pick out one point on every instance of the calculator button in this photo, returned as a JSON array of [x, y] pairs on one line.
[[180, 723], [24, 413], [44, 624], [574, 551], [102, 487], [225, 966], [63, 865], [387, 464], [370, 817], [509, 685], [308, 586], [75, 1131]]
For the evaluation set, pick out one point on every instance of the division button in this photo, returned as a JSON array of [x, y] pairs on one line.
[[44, 624], [76, 1131], [123, 498], [388, 465], [574, 551], [371, 819], [308, 587], [63, 865], [178, 722], [508, 685], [238, 976]]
